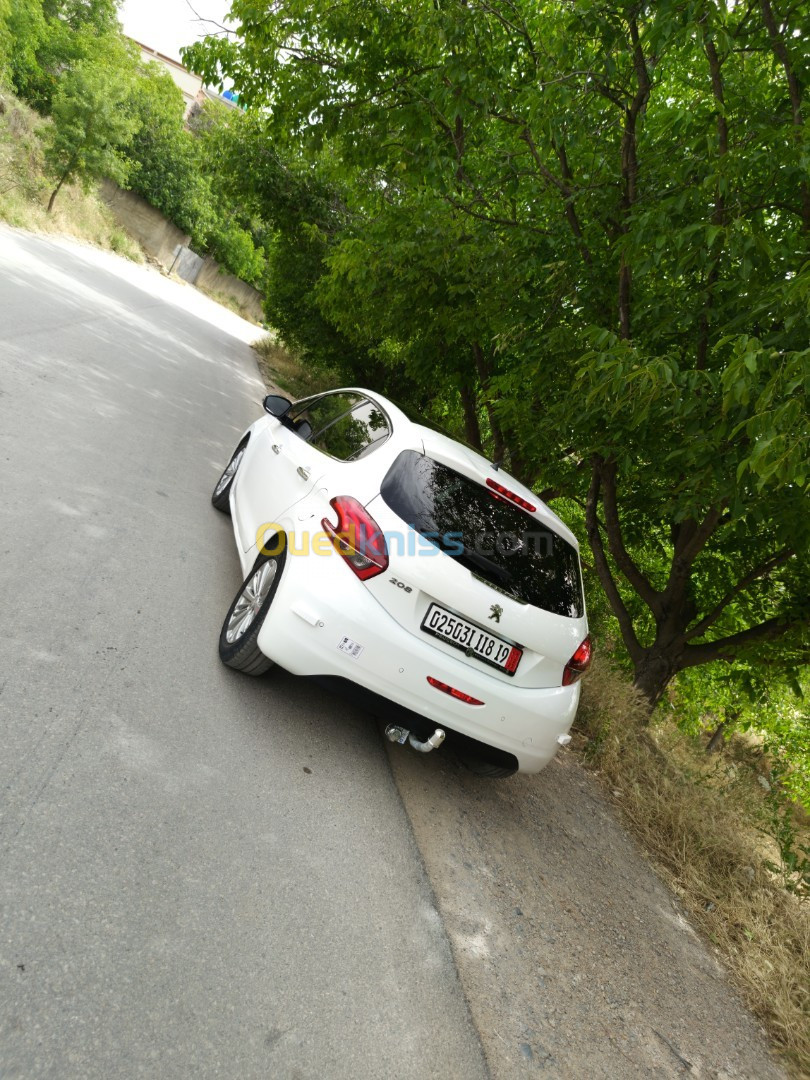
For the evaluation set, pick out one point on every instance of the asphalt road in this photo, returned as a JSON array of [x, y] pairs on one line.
[[201, 874]]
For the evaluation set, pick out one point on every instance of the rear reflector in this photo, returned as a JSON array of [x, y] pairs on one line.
[[459, 695], [513, 659], [579, 663], [357, 537], [506, 494]]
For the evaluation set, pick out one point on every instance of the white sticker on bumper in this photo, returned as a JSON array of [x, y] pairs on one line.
[[351, 648]]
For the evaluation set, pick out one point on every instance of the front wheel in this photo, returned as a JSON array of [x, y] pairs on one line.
[[238, 638], [221, 497]]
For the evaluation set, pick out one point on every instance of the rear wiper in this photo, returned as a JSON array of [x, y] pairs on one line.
[[502, 576], [489, 568], [504, 592]]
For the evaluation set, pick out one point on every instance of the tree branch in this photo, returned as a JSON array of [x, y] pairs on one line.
[[521, 31], [466, 208], [630, 169], [780, 50], [570, 209], [565, 190], [650, 596], [758, 572], [692, 538], [727, 648], [719, 213], [603, 569]]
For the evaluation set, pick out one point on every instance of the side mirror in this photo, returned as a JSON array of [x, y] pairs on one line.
[[277, 405]]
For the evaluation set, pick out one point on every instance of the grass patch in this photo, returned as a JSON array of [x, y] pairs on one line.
[[283, 367], [699, 816], [25, 188]]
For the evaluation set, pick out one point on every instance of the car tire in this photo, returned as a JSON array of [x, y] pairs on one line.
[[483, 768], [238, 648], [221, 497]]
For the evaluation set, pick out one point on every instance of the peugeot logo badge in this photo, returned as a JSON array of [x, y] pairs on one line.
[[497, 611]]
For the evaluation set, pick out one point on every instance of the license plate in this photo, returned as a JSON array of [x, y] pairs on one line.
[[471, 639]]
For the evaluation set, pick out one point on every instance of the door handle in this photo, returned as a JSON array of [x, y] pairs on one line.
[[276, 448], [303, 472]]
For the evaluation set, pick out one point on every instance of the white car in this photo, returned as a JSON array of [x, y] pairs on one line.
[[385, 557]]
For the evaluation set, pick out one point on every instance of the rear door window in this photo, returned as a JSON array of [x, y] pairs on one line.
[[370, 427], [498, 542], [320, 412], [348, 430]]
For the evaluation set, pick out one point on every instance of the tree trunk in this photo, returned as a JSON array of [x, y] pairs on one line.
[[653, 673], [716, 741], [472, 430], [483, 367], [56, 190]]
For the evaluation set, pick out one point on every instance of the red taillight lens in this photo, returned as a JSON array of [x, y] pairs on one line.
[[357, 537], [506, 494], [459, 695], [579, 663]]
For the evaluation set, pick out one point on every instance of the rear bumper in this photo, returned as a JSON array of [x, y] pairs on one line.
[[319, 603]]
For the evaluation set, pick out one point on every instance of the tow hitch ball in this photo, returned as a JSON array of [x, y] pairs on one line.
[[401, 735]]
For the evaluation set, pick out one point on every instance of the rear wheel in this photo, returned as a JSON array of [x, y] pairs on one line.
[[222, 492], [238, 638], [480, 758], [482, 767]]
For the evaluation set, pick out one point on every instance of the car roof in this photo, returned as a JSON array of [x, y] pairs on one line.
[[462, 458]]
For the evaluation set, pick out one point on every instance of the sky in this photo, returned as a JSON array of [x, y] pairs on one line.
[[165, 25]]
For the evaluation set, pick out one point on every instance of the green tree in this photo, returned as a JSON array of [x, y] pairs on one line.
[[187, 175], [237, 232], [163, 157], [602, 210], [91, 124], [295, 213], [50, 36], [6, 42], [25, 25]]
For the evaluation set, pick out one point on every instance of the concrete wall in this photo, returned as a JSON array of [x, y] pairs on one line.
[[213, 278], [166, 243], [149, 227]]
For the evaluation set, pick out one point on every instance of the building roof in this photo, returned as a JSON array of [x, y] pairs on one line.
[[163, 58]]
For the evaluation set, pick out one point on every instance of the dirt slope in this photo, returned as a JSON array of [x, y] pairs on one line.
[[575, 958]]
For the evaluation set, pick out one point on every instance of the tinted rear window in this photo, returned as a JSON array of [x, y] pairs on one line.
[[497, 542]]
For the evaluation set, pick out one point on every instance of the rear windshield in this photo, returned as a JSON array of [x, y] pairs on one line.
[[497, 542]]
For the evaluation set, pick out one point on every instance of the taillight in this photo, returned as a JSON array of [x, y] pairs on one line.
[[357, 537], [510, 496], [459, 695], [579, 663]]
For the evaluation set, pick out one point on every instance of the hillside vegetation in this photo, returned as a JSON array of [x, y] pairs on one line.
[[25, 186], [112, 115]]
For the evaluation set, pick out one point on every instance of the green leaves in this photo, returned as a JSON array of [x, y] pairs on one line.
[[50, 38], [765, 396], [163, 161], [91, 122]]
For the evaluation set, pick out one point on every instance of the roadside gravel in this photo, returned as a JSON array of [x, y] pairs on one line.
[[575, 958]]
